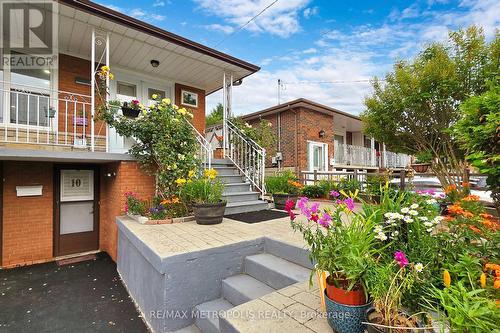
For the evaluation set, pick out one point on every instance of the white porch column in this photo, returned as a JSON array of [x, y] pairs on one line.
[[224, 115], [227, 103], [107, 89], [92, 90], [373, 155], [384, 156]]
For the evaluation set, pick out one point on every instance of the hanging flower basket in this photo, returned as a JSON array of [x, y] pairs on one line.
[[421, 167], [129, 112]]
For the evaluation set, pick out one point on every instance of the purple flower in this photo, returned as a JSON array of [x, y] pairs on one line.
[[349, 204], [325, 220], [302, 203], [314, 207], [401, 259], [334, 194]]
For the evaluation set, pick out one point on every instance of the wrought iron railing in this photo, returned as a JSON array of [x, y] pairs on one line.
[[46, 117], [248, 156], [204, 150]]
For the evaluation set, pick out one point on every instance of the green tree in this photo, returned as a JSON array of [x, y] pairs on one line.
[[215, 116], [413, 110], [478, 132]]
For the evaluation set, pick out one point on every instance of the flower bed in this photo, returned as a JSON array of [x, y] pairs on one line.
[[408, 259]]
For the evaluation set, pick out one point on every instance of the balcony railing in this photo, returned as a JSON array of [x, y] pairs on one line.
[[359, 156], [36, 116]]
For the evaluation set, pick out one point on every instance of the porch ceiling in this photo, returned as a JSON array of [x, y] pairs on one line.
[[181, 60]]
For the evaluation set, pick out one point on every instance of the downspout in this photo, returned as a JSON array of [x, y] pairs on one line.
[[278, 121], [296, 144]]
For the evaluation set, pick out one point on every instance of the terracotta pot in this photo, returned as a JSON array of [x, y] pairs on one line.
[[218, 153], [343, 296], [421, 167], [209, 213], [281, 199]]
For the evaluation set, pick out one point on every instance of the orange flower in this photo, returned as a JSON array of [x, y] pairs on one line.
[[496, 284], [475, 229], [296, 184], [456, 209], [446, 278], [493, 267], [471, 197], [467, 214], [482, 279], [486, 216], [450, 188], [465, 184]]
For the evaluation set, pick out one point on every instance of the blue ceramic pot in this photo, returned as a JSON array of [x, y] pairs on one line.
[[346, 318]]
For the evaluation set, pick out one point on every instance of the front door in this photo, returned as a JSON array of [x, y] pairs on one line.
[[76, 214]]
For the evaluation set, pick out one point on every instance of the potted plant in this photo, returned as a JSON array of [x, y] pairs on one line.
[[422, 162], [387, 283], [283, 186], [132, 109], [219, 151], [204, 195], [135, 207], [327, 236]]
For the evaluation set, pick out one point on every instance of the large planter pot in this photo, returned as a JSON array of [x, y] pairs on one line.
[[281, 199], [209, 213], [344, 318], [219, 153], [343, 296], [370, 314], [421, 167], [130, 113]]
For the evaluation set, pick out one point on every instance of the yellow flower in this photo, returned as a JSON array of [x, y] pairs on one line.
[[154, 96], [210, 173], [482, 279], [180, 181], [190, 115], [446, 278], [191, 173], [111, 76], [166, 101], [182, 111], [105, 69], [175, 107]]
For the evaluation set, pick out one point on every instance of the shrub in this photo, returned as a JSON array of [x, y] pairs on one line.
[[284, 182], [313, 191], [349, 185], [327, 186], [134, 205]]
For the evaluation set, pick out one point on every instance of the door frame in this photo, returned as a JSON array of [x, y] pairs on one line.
[[57, 209], [1, 211], [310, 154]]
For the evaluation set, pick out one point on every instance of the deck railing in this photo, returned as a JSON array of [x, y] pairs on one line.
[[358, 156], [44, 117]]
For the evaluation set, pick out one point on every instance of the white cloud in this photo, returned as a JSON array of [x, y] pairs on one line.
[[281, 19], [310, 12], [227, 29], [159, 3], [138, 13], [356, 54]]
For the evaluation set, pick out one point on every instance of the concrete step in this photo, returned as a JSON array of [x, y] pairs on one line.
[[188, 329], [241, 196], [230, 179], [239, 289], [275, 272], [236, 187], [221, 162], [207, 315], [295, 254], [226, 170], [244, 207]]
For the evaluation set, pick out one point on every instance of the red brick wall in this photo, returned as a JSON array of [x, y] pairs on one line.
[[129, 177], [199, 112], [27, 221]]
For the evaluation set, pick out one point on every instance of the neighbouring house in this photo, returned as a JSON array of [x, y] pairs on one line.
[[311, 136], [64, 174]]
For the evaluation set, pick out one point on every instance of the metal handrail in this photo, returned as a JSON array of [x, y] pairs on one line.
[[248, 157], [205, 147]]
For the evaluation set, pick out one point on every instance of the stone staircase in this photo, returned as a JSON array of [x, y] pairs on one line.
[[237, 192], [263, 274]]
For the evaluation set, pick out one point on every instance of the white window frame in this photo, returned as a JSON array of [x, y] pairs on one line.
[[310, 154]]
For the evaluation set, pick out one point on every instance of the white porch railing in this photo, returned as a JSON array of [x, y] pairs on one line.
[[345, 154], [44, 117], [247, 156], [395, 160], [204, 150]]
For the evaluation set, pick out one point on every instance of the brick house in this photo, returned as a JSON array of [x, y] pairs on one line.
[[64, 175], [311, 136]]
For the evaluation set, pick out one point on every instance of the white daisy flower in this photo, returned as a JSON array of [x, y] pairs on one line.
[[408, 219], [378, 229], [428, 224], [414, 206], [405, 210], [423, 218], [429, 230], [381, 236], [419, 267], [413, 212], [430, 201]]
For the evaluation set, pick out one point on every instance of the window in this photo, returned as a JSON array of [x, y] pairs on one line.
[[126, 91], [338, 139], [160, 93]]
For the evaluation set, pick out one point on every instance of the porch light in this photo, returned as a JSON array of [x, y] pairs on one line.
[[321, 133], [155, 63]]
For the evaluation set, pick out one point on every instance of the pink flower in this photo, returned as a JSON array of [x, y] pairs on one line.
[[314, 217], [292, 215], [302, 203], [334, 194], [349, 204], [314, 207], [135, 102], [325, 220], [401, 259], [289, 205]]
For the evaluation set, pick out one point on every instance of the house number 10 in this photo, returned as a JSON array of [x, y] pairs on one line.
[[76, 182]]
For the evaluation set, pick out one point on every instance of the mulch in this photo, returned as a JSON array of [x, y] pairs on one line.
[[259, 216]]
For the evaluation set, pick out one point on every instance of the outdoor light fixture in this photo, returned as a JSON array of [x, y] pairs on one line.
[[321, 133], [238, 82], [155, 63], [110, 174]]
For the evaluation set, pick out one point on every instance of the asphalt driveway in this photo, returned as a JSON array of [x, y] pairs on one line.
[[83, 297]]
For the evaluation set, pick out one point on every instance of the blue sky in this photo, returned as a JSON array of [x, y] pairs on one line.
[[304, 42]]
